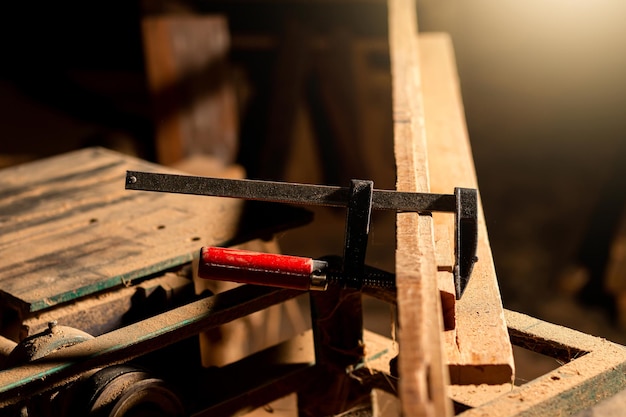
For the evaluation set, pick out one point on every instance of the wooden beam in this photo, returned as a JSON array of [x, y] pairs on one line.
[[594, 370], [478, 350], [194, 102], [423, 377]]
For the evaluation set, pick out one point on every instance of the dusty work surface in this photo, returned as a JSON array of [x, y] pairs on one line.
[[68, 227]]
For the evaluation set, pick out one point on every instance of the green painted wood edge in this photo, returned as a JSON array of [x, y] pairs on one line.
[[120, 280]]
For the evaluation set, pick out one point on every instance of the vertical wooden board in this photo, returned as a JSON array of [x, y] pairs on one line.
[[478, 350], [194, 102], [423, 378]]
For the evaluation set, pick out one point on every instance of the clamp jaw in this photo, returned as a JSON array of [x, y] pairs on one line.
[[304, 273]]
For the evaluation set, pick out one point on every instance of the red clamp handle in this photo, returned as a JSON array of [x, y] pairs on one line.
[[284, 271]]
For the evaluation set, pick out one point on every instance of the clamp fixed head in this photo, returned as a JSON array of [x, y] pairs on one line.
[[359, 199]]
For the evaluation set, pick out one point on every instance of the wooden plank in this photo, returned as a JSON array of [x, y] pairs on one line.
[[194, 102], [594, 369], [68, 228], [423, 378], [444, 254], [478, 350], [108, 311]]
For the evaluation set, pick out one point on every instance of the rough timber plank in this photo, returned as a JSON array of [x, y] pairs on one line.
[[595, 369], [478, 350], [68, 228], [423, 377]]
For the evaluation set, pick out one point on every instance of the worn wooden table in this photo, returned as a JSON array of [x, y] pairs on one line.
[[69, 229]]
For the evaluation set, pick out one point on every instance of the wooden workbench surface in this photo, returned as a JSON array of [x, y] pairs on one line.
[[68, 228]]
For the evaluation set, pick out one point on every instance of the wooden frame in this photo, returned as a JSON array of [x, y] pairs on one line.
[[593, 369]]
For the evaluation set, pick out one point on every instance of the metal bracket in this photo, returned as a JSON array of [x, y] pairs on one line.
[[358, 218]]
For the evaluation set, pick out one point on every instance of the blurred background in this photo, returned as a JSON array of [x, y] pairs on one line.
[[543, 83]]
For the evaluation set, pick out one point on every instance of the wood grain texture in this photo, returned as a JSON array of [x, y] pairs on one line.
[[478, 350], [595, 370], [68, 228], [423, 377]]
